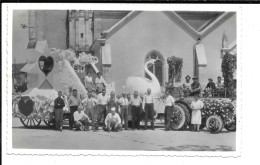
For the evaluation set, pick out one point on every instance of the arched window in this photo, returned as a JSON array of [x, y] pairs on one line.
[[157, 68]]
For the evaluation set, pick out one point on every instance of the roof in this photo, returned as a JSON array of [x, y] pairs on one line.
[[204, 24], [16, 68], [199, 20]]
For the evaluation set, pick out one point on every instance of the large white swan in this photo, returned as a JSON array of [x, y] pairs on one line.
[[141, 84]]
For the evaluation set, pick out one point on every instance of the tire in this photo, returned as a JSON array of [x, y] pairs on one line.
[[30, 123], [187, 116], [178, 118], [231, 127], [214, 124], [187, 105], [49, 123]]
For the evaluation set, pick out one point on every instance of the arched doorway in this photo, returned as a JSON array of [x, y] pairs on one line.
[[157, 68]]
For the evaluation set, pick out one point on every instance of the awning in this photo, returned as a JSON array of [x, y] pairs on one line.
[[201, 56], [106, 55], [31, 68]]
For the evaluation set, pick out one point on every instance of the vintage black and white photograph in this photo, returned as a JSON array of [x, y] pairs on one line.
[[132, 80]]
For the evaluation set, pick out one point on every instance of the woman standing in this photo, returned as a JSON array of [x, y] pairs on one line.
[[196, 107]]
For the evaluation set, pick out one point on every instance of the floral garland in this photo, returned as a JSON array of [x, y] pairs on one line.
[[228, 68], [175, 68], [223, 108]]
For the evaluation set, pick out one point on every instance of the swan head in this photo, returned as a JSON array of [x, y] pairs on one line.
[[151, 61]]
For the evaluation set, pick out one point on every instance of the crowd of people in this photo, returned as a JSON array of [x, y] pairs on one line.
[[189, 88], [112, 112]]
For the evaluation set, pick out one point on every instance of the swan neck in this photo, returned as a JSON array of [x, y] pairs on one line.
[[148, 72]]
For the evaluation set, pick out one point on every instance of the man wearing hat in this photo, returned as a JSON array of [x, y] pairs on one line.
[[81, 119], [210, 87], [187, 86], [113, 121], [195, 86], [220, 86]]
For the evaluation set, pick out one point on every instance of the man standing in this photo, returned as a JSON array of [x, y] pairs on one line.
[[102, 100], [123, 101], [195, 86], [74, 102], [58, 106], [148, 106], [100, 82], [81, 119], [187, 86], [90, 103], [136, 110], [210, 87], [169, 105], [112, 102], [113, 121]]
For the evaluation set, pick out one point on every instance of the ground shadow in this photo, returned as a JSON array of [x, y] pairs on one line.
[[199, 148]]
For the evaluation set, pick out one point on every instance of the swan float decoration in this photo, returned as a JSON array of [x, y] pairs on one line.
[[141, 85]]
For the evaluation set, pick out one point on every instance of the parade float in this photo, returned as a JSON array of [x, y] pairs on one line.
[[216, 114], [56, 72], [52, 72]]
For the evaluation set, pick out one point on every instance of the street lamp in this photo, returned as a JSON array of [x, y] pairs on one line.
[[23, 26]]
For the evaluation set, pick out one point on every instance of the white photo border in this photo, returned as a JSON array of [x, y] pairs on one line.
[[7, 15]]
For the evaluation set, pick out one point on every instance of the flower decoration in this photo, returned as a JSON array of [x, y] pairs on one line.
[[228, 68], [222, 108], [175, 68]]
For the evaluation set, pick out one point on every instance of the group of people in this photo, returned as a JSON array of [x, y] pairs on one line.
[[112, 112], [191, 88], [98, 85]]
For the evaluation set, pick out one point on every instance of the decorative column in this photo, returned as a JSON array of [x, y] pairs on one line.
[[72, 39]]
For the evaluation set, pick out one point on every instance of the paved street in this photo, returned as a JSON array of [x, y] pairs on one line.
[[46, 138]]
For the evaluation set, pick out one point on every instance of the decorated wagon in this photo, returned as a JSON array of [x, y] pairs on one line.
[[216, 114], [35, 106]]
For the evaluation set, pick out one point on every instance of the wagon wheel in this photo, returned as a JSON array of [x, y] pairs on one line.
[[231, 126], [49, 123], [178, 118], [30, 123], [214, 124], [187, 115]]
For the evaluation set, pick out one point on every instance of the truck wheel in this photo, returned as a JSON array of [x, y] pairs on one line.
[[214, 124], [231, 127], [178, 118], [187, 115]]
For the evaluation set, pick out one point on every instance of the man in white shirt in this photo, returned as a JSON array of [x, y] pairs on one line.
[[169, 105], [81, 120], [100, 82], [123, 101], [89, 103], [148, 107], [136, 110], [113, 121], [187, 86], [102, 100]]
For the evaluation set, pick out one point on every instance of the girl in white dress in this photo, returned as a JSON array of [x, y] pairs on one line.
[[196, 106]]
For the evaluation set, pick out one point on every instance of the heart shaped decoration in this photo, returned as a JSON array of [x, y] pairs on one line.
[[25, 106], [46, 64]]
